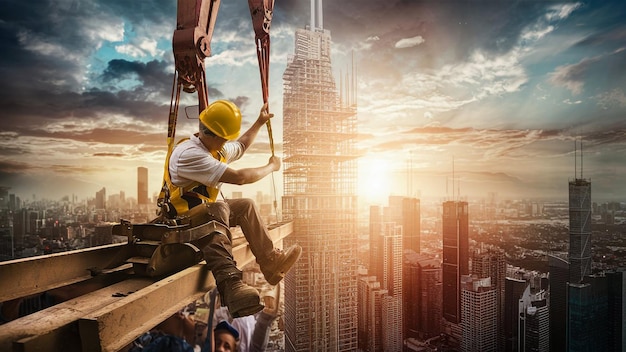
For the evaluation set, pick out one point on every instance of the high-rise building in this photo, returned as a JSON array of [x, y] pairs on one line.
[[376, 243], [392, 323], [587, 294], [411, 224], [579, 230], [559, 274], [478, 315], [142, 185], [7, 238], [587, 312], [491, 263], [616, 317], [320, 171], [392, 258], [421, 294], [20, 226], [363, 327], [455, 256], [370, 325], [534, 322], [514, 290], [405, 211], [402, 211], [392, 283], [101, 197], [4, 197]]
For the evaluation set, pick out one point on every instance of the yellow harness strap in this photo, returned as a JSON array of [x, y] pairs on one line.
[[175, 201]]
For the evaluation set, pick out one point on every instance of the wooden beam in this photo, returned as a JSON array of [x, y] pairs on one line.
[[102, 320], [56, 328], [116, 325], [33, 275]]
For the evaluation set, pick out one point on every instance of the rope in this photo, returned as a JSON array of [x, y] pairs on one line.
[[262, 11], [164, 195], [263, 55]]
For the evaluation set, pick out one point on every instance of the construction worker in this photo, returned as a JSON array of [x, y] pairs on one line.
[[197, 168]]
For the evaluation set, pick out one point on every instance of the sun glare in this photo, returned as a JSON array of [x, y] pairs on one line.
[[374, 179]]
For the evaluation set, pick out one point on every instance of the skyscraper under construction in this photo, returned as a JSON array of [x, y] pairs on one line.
[[320, 171]]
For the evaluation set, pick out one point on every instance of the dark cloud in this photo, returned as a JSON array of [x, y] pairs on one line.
[[438, 130], [13, 167], [241, 101], [113, 155], [40, 41], [11, 148], [46, 46], [108, 136], [143, 12], [46, 105], [604, 38], [606, 137], [74, 169], [153, 75]]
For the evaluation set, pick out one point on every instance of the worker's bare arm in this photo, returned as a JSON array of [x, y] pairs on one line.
[[248, 137], [251, 174]]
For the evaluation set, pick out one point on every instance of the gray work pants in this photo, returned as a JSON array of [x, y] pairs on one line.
[[217, 248]]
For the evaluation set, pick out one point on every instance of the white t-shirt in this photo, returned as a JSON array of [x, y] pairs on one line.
[[191, 161], [245, 325]]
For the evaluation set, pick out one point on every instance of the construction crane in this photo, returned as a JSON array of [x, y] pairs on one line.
[[116, 292]]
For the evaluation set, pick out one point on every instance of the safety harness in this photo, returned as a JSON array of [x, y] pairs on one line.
[[174, 200]]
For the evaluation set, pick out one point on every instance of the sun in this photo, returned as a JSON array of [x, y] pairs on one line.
[[374, 181]]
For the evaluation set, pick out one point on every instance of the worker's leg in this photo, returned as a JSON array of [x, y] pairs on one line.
[[240, 298], [243, 212], [274, 262], [217, 247]]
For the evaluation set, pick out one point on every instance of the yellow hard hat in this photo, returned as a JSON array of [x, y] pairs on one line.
[[223, 118]]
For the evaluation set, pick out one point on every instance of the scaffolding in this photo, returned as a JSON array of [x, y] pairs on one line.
[[320, 171]]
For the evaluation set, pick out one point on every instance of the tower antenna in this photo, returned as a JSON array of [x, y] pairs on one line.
[[453, 193], [581, 157]]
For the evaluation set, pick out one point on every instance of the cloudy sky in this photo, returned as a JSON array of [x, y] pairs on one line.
[[497, 91]]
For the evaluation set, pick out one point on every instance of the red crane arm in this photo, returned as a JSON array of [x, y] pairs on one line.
[[262, 11], [191, 45]]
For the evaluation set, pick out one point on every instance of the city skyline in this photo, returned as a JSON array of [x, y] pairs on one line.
[[502, 88]]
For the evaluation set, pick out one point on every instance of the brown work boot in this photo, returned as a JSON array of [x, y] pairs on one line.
[[278, 263], [240, 298]]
